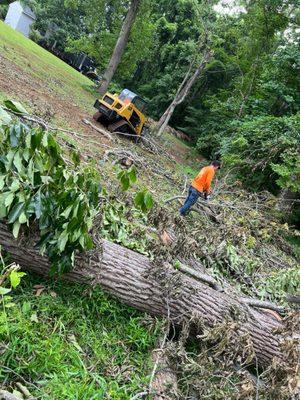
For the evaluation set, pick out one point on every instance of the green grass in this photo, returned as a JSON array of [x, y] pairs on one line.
[[80, 344], [39, 64], [19, 47]]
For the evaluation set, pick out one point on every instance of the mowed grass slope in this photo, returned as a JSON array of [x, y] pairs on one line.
[[31, 73]]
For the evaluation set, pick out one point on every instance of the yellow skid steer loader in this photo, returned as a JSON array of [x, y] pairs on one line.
[[122, 113]]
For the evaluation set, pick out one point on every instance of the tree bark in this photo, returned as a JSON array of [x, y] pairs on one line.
[[120, 46], [183, 91], [156, 289]]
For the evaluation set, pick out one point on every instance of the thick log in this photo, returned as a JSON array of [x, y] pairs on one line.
[[156, 289]]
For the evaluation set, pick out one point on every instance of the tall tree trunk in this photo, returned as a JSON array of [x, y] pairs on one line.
[[183, 91], [120, 46], [157, 289]]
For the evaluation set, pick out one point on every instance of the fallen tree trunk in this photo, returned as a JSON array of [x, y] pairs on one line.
[[156, 289]]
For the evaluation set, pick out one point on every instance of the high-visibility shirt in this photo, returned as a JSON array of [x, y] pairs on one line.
[[203, 180]]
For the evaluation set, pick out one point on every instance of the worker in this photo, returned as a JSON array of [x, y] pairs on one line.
[[201, 186]]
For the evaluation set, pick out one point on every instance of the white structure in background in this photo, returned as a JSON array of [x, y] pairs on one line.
[[20, 17]]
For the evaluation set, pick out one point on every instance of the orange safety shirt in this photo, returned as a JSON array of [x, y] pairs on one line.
[[203, 180]]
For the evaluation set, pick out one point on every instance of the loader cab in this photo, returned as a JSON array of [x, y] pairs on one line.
[[134, 107], [129, 97]]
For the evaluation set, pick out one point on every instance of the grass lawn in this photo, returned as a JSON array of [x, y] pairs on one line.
[[73, 343], [33, 68]]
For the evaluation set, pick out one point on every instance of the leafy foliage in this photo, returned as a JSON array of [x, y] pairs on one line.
[[120, 224], [144, 200], [3, 11], [36, 184], [266, 150], [281, 282], [10, 278], [60, 19], [127, 177]]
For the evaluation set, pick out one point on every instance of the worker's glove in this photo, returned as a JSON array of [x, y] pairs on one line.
[[206, 196]]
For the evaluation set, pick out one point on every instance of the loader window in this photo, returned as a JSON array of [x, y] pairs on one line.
[[126, 95], [134, 119], [139, 103], [108, 100]]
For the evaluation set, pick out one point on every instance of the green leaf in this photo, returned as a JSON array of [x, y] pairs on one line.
[[62, 241], [75, 158], [120, 175], [2, 181], [10, 156], [88, 243], [15, 106], [23, 218], [4, 290], [5, 118], [15, 185], [15, 213], [14, 136], [26, 307], [125, 182], [3, 212], [18, 162], [133, 175], [67, 211], [46, 179], [148, 200], [10, 305], [139, 199], [82, 241], [16, 229], [15, 278], [28, 141], [26, 154], [9, 199]]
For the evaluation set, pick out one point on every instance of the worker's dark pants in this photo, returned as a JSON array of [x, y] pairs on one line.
[[192, 198]]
